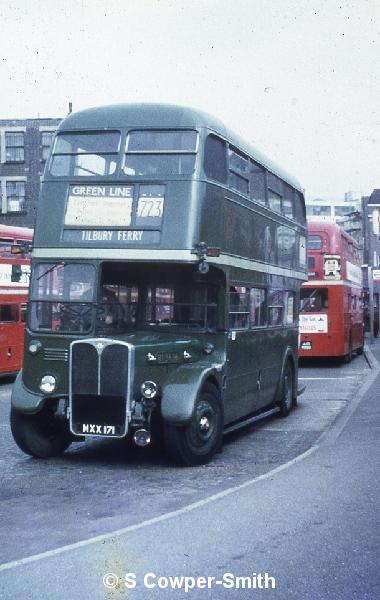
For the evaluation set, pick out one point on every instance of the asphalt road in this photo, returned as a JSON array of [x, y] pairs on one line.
[[107, 507]]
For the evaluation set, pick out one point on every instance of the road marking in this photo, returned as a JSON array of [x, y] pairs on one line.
[[324, 378], [329, 437]]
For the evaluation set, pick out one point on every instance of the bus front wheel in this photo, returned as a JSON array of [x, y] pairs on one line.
[[196, 442], [286, 401], [40, 435]]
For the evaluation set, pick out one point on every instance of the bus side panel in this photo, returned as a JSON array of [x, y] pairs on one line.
[[11, 347], [243, 351], [274, 347], [357, 319]]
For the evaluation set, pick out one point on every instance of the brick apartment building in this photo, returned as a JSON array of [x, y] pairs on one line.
[[24, 147]]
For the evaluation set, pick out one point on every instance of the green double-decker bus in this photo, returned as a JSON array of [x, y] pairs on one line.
[[167, 261]]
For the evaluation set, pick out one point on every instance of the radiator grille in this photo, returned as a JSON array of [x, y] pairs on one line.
[[100, 387]]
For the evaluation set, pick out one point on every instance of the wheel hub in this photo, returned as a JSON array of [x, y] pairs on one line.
[[204, 424]]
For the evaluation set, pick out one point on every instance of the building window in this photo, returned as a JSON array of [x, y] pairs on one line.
[[46, 141], [14, 147], [15, 196]]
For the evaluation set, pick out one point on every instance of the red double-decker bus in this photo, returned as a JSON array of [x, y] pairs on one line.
[[15, 246], [331, 315]]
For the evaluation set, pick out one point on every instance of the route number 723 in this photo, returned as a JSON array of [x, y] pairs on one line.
[[150, 207]]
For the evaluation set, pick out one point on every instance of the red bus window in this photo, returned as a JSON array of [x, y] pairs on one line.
[[314, 299], [5, 247], [23, 312], [9, 313], [314, 242]]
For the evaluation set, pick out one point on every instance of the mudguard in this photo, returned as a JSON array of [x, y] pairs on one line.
[[181, 390], [23, 400]]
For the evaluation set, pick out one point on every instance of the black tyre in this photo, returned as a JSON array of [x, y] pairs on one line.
[[196, 442], [40, 435], [360, 350], [286, 401]]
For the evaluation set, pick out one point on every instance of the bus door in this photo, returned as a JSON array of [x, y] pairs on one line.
[[243, 351], [11, 338], [280, 311]]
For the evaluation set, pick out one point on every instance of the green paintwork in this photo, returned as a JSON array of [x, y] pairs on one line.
[[182, 387], [23, 399], [196, 210]]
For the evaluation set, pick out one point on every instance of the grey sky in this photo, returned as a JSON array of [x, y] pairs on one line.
[[300, 79]]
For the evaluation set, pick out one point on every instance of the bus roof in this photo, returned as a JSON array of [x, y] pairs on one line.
[[165, 115], [8, 231]]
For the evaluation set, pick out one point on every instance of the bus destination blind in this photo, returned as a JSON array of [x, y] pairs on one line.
[[92, 209]]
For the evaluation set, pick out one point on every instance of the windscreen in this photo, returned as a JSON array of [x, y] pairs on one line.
[[61, 297]]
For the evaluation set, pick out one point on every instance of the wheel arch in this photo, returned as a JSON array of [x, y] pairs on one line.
[[290, 357], [181, 391]]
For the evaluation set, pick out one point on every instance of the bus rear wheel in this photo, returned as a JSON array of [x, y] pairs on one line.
[[286, 401], [40, 435], [196, 442]]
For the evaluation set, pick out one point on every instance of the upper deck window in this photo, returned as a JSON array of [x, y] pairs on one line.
[[257, 179], [5, 248], [239, 171], [314, 242], [85, 154], [288, 202], [161, 152], [215, 159], [275, 193], [274, 201], [299, 206]]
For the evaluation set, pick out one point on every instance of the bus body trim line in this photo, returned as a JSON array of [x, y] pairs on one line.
[[165, 255]]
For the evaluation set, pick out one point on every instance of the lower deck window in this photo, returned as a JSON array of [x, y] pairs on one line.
[[276, 306], [9, 313], [314, 299], [254, 307], [239, 308], [189, 306]]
